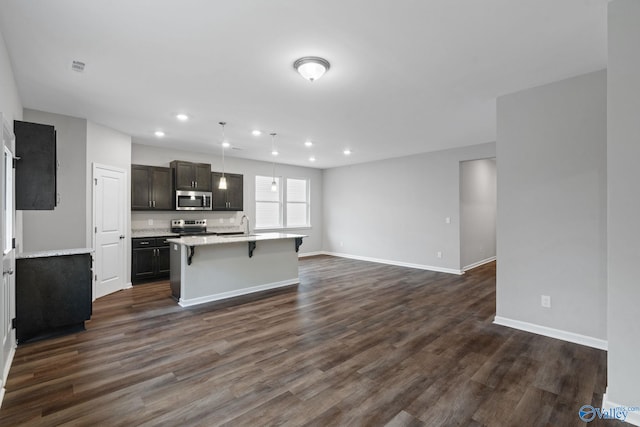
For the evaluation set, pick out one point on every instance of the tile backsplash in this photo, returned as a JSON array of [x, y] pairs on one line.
[[161, 221]]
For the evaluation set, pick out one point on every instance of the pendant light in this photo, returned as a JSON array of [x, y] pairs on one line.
[[223, 180], [274, 185]]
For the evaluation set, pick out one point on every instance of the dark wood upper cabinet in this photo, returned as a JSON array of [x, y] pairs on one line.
[[191, 176], [36, 166], [230, 199], [151, 188]]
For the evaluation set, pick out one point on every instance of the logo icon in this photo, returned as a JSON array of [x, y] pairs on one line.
[[587, 413]]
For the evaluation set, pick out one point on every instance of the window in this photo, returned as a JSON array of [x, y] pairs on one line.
[[286, 207], [297, 203], [268, 203]]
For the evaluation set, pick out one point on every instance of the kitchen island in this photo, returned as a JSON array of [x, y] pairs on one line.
[[211, 268]]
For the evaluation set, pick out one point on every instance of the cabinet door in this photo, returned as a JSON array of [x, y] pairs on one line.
[[235, 192], [36, 167], [161, 189], [202, 176], [163, 262], [219, 196], [140, 187], [143, 264], [184, 175]]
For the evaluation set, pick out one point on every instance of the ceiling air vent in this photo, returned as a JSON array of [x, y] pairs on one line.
[[77, 66]]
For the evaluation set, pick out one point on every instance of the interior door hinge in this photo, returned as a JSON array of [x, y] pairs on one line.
[[95, 277], [15, 160], [13, 243], [95, 229], [13, 323], [95, 181]]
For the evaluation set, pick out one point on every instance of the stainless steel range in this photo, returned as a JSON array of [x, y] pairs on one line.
[[190, 227]]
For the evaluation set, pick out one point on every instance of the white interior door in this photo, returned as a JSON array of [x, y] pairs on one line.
[[7, 293], [109, 205]]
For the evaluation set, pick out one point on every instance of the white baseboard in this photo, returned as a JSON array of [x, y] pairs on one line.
[[306, 254], [128, 286], [551, 332], [237, 293], [398, 263], [479, 263], [5, 372], [632, 417]]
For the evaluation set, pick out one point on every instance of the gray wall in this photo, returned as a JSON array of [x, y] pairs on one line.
[[64, 227], [551, 151], [478, 207], [10, 104], [394, 210], [156, 156], [623, 175]]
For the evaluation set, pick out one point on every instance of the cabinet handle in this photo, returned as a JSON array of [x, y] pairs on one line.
[[196, 184], [143, 243], [149, 203], [154, 203]]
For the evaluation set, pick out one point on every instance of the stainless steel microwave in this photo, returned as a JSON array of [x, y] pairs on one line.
[[193, 200]]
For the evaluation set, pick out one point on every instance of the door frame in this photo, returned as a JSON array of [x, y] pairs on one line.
[[127, 241]]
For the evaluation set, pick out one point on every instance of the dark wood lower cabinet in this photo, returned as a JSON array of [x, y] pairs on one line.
[[149, 259], [53, 295]]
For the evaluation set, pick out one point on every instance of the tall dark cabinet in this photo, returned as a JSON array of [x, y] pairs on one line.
[[230, 199], [191, 176], [151, 188], [36, 166]]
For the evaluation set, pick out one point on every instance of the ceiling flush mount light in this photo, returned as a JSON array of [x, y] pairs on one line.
[[256, 132], [222, 185], [182, 117], [308, 144], [312, 159], [347, 152], [311, 67], [159, 133]]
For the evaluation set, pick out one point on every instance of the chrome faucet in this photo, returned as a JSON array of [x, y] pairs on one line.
[[242, 222]]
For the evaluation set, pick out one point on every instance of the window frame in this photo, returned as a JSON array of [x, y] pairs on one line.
[[283, 202]]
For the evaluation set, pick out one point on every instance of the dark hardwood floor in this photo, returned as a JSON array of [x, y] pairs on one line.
[[355, 343]]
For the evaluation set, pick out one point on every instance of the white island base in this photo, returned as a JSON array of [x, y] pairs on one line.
[[212, 268]]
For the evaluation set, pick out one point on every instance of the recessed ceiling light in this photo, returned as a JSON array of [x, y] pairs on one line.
[[312, 159], [256, 132], [226, 144], [274, 153], [347, 152], [308, 143], [182, 117], [159, 133]]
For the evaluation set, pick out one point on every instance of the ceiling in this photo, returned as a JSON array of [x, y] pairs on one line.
[[407, 76]]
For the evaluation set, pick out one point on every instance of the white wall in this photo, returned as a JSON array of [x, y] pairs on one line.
[[63, 227], [156, 156], [394, 210], [478, 206], [623, 176], [551, 151]]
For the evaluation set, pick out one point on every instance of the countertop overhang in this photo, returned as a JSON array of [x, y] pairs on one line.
[[240, 238]]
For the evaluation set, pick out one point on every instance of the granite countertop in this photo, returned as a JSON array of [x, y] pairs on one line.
[[54, 252], [151, 233], [219, 240]]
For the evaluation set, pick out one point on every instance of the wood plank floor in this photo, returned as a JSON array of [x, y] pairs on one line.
[[355, 343]]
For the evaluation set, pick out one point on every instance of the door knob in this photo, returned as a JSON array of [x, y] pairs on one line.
[[8, 272], [121, 237]]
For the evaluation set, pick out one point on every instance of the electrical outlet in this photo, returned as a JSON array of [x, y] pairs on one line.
[[439, 254], [447, 220], [545, 301], [341, 244], [150, 222]]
